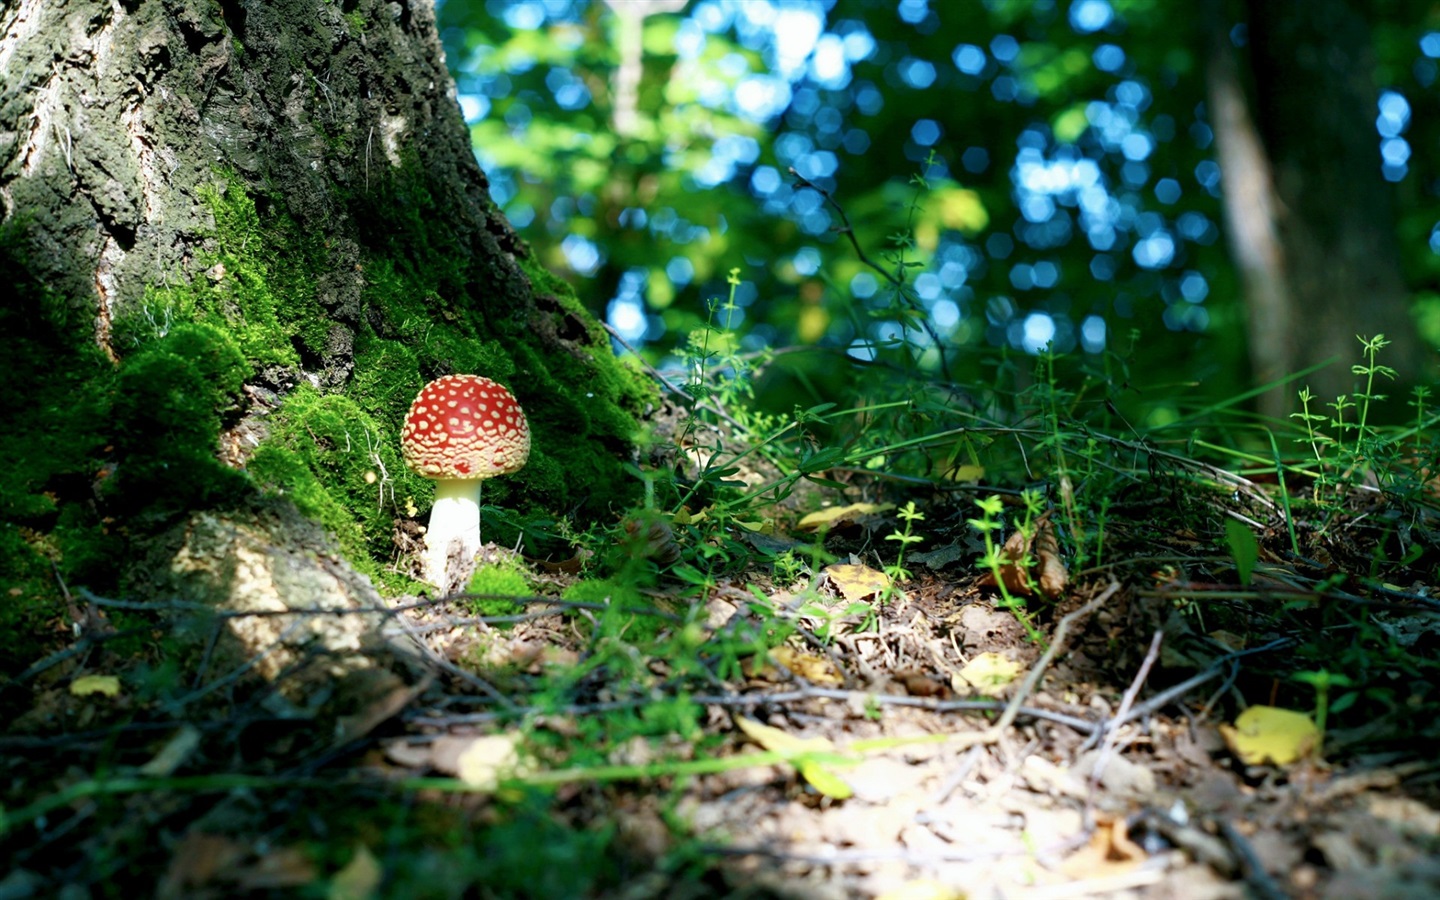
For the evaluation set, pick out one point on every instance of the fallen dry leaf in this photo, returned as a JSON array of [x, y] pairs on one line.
[[1268, 734], [1012, 573], [85, 685], [359, 880], [197, 861], [857, 582], [839, 516], [488, 759], [478, 761], [174, 754], [811, 666], [1054, 577], [283, 867], [988, 673], [924, 889], [1110, 852], [795, 750]]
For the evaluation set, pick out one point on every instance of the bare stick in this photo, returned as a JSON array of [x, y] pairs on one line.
[[1112, 733]]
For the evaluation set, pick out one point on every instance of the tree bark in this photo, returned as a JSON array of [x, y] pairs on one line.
[[118, 114], [1310, 217]]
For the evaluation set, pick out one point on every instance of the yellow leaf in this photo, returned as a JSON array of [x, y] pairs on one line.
[[759, 526], [1267, 734], [86, 685], [810, 666], [960, 209], [857, 582], [836, 516], [795, 749], [969, 474], [990, 673], [824, 781], [814, 320], [781, 742]]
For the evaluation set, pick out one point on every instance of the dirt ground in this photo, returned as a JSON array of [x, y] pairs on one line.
[[862, 757]]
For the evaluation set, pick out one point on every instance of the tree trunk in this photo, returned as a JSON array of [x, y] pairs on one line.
[[242, 235], [1310, 217]]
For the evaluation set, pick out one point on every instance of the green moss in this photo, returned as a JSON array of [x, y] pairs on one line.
[[260, 284], [340, 466], [109, 453], [166, 417], [386, 378], [29, 607], [504, 580], [52, 395], [581, 402]]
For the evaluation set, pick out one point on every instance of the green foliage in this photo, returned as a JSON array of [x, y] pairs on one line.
[[1345, 446], [700, 180], [1243, 547], [904, 537]]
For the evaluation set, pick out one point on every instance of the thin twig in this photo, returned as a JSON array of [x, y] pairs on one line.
[[1112, 738]]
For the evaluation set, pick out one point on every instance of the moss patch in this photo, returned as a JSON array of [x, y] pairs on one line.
[[503, 580], [169, 401], [341, 466]]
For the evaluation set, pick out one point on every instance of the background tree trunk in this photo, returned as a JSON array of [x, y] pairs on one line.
[[1311, 219], [281, 193]]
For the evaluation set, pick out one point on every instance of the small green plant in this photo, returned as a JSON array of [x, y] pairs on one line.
[[788, 568], [1369, 369], [989, 524], [1353, 445], [1322, 680], [905, 537], [1244, 548]]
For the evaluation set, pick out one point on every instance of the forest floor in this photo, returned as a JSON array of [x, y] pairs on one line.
[[808, 732]]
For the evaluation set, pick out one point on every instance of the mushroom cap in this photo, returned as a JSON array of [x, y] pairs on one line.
[[465, 427]]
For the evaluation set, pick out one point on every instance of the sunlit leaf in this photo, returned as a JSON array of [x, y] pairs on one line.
[[85, 685], [1243, 547], [359, 879], [812, 667], [1268, 734], [857, 582], [989, 673], [795, 749], [837, 516]]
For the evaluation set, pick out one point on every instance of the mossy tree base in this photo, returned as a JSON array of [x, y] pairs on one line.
[[244, 236]]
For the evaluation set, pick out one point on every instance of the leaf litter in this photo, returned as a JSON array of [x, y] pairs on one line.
[[918, 743]]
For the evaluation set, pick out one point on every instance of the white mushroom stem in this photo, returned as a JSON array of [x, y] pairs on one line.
[[455, 517]]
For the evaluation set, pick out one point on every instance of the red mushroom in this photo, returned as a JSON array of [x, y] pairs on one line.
[[460, 430]]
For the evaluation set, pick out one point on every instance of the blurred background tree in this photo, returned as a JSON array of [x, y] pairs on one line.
[[1032, 172]]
